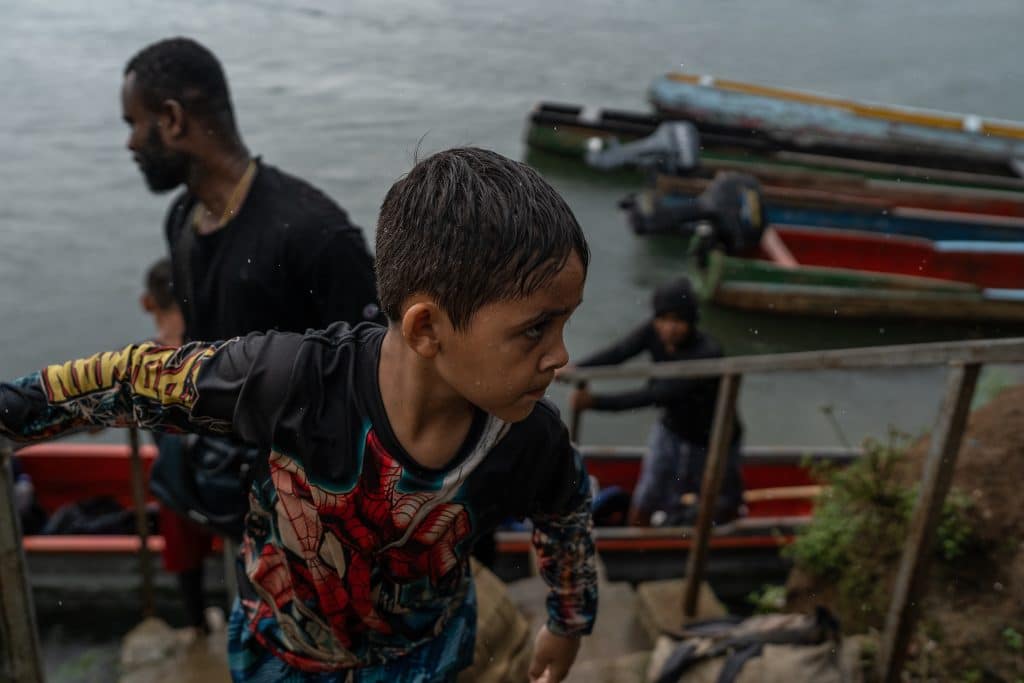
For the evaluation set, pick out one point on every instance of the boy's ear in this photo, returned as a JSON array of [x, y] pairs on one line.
[[421, 327], [148, 302]]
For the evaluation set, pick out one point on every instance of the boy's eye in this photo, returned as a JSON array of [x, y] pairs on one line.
[[535, 332]]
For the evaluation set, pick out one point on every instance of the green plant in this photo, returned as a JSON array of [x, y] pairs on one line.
[[860, 526], [769, 598], [1013, 639], [955, 536], [83, 667], [973, 676]]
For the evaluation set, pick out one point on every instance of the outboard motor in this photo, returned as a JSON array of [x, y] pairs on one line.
[[674, 148], [732, 205]]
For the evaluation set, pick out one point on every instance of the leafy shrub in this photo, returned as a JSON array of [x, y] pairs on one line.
[[859, 528]]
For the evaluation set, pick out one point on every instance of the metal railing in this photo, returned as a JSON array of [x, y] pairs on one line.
[[20, 659], [964, 360], [20, 655]]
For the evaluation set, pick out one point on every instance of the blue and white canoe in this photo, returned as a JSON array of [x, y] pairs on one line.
[[805, 120]]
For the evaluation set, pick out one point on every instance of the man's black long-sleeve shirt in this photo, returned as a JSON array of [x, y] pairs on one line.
[[290, 260], [688, 403]]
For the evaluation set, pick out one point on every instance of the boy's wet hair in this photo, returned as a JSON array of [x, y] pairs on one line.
[[183, 70], [468, 227], [160, 284]]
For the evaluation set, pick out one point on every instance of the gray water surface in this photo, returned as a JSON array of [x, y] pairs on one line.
[[345, 93]]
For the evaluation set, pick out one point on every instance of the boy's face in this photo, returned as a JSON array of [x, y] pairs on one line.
[[505, 359], [671, 328]]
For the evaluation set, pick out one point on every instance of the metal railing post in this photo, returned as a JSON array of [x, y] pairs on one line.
[[714, 471], [575, 418], [935, 484], [141, 524], [20, 657]]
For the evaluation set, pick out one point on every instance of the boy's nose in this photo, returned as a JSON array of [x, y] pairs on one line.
[[556, 358]]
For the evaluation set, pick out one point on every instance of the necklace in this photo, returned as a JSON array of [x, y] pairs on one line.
[[234, 200]]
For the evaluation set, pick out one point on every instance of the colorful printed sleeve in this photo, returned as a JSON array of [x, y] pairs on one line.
[[147, 385], [565, 550]]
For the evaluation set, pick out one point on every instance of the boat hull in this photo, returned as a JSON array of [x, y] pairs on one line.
[[808, 120], [569, 130], [107, 565], [863, 276]]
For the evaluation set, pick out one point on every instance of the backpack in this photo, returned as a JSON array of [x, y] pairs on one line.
[[206, 479]]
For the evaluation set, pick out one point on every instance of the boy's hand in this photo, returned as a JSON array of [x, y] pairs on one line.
[[553, 655], [581, 399]]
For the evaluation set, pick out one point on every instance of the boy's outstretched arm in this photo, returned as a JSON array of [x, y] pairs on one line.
[[195, 388], [565, 550]]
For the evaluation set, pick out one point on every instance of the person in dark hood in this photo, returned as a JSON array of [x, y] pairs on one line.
[[673, 467]]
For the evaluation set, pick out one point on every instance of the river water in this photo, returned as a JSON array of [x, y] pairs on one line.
[[344, 94]]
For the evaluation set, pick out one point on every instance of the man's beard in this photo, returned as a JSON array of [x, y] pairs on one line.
[[162, 168]]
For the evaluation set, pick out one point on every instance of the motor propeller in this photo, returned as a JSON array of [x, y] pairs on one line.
[[728, 213]]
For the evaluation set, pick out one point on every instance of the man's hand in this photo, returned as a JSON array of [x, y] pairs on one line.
[[553, 655], [581, 399]]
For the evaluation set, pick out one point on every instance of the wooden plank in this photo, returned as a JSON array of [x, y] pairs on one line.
[[935, 483], [141, 524], [777, 250], [19, 640], [714, 473], [905, 355]]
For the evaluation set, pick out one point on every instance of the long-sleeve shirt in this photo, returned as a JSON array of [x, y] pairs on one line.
[[289, 260], [688, 403], [353, 553]]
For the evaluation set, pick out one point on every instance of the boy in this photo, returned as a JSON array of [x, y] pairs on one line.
[[390, 449], [678, 444], [186, 544]]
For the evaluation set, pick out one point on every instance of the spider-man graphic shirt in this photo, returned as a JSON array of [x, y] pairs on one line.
[[354, 555]]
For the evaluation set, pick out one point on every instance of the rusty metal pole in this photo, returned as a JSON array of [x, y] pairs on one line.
[[575, 418], [935, 483], [20, 657], [714, 473], [141, 524]]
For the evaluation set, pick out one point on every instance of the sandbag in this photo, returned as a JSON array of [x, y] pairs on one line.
[[776, 648], [503, 638]]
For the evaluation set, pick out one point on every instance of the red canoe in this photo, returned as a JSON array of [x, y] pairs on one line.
[[989, 265], [744, 554]]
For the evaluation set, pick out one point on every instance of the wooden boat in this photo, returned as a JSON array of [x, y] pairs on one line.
[[570, 130], [835, 273], [744, 554], [780, 491], [786, 206], [103, 569], [898, 199], [802, 120]]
